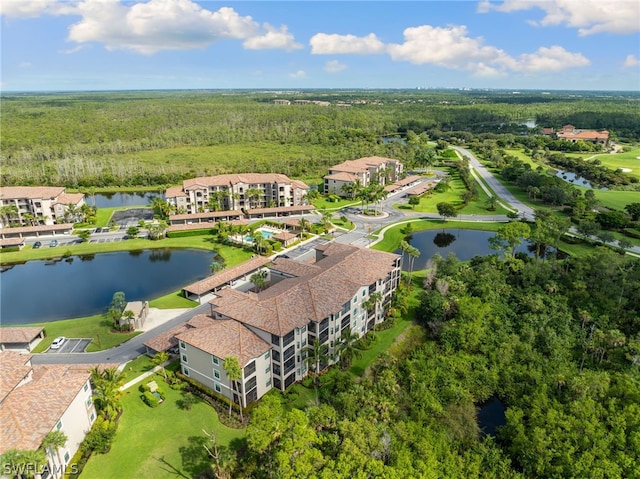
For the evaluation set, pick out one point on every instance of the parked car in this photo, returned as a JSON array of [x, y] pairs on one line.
[[37, 245], [58, 342], [53, 243]]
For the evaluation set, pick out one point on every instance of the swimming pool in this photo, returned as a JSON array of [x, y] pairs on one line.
[[266, 234]]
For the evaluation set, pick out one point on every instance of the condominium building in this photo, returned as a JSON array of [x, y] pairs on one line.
[[361, 172], [236, 192], [31, 205], [268, 331], [38, 399]]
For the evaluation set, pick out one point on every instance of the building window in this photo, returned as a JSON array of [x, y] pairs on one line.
[[289, 337], [250, 384], [92, 417], [267, 355], [183, 345], [185, 371], [215, 360], [276, 355], [86, 386], [67, 456], [59, 425], [268, 383], [216, 374], [88, 402], [217, 387], [185, 359], [275, 340], [267, 369], [250, 369]]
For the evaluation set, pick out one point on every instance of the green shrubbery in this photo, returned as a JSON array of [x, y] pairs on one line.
[[184, 234]]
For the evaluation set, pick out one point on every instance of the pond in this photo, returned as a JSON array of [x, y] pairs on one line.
[[113, 200], [78, 286], [573, 178], [491, 416], [465, 244]]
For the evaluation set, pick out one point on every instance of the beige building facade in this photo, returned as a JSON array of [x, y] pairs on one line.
[[42, 204], [363, 172]]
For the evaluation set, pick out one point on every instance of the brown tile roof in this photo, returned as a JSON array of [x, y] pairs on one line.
[[342, 176], [232, 179], [420, 189], [19, 335], [225, 276], [14, 367], [31, 192], [32, 410], [174, 192], [37, 229], [293, 267], [225, 338], [407, 181], [584, 135], [361, 164], [6, 242], [69, 199], [321, 290], [167, 340], [284, 236]]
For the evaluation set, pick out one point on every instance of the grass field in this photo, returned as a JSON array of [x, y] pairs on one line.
[[173, 300], [96, 327], [163, 442], [522, 156], [477, 207], [629, 160]]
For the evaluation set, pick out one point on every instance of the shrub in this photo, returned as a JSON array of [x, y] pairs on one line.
[[101, 436], [150, 400], [184, 234]]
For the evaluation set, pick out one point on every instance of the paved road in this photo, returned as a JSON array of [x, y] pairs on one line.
[[504, 194]]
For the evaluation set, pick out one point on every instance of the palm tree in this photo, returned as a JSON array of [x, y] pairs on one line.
[[128, 316], [372, 302], [53, 441], [156, 230], [259, 279], [234, 373], [413, 253], [259, 242], [217, 266], [161, 207], [346, 350], [8, 213], [252, 194], [159, 359], [348, 189], [106, 390], [23, 464], [326, 219], [314, 355], [304, 225]]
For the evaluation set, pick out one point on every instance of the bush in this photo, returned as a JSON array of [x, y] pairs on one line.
[[150, 400], [100, 437]]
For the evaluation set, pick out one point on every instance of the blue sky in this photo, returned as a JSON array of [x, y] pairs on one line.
[[180, 44]]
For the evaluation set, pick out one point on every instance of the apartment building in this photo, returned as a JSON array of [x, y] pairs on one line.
[[38, 399], [236, 192], [269, 330], [42, 204], [362, 172]]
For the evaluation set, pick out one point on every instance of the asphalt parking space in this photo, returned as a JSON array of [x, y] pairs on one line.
[[71, 345]]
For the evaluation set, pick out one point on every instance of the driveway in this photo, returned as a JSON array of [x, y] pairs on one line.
[[71, 345]]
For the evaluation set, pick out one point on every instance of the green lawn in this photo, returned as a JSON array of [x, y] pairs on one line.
[[173, 300], [429, 201], [136, 367], [617, 200], [231, 255], [324, 204], [628, 159], [163, 442], [522, 156], [96, 327]]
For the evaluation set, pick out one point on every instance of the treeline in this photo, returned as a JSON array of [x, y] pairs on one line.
[[108, 139], [557, 342]]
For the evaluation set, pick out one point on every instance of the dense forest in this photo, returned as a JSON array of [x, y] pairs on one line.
[[558, 342], [159, 138]]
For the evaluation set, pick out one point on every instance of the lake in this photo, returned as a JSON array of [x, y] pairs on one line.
[[77, 286], [465, 244], [113, 200]]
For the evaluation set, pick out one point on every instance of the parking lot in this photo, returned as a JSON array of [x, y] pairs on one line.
[[71, 345]]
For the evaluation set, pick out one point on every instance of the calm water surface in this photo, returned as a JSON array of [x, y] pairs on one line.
[[77, 286], [465, 244], [112, 200]]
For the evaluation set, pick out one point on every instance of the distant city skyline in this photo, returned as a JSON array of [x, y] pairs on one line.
[[50, 45]]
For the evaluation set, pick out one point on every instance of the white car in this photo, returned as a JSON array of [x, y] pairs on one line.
[[58, 342]]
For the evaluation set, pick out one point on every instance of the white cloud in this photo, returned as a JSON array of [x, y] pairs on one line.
[[35, 8], [73, 50], [588, 16], [334, 66], [299, 74], [157, 25], [273, 38], [24, 65], [332, 44], [552, 59], [631, 61]]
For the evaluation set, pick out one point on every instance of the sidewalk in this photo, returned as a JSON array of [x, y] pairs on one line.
[[143, 376]]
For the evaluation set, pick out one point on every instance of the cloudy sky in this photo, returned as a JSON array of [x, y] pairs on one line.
[[180, 44]]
